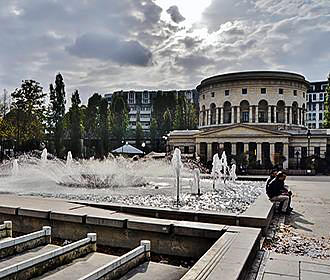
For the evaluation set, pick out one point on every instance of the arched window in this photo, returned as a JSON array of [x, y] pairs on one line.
[[203, 115], [280, 112], [227, 112], [263, 111], [213, 113], [295, 112], [244, 106]]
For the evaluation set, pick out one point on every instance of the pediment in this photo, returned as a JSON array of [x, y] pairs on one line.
[[241, 130]]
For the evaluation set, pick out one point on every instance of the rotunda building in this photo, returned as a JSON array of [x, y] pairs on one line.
[[264, 98], [257, 118]]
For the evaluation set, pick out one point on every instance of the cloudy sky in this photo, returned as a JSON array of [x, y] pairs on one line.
[[106, 45]]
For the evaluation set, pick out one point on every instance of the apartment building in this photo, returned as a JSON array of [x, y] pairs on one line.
[[315, 104], [140, 103]]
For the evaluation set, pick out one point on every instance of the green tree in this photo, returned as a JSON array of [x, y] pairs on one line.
[[185, 114], [75, 116], [27, 114], [153, 133], [326, 122], [119, 119], [167, 121], [92, 123], [55, 114], [104, 127], [139, 135]]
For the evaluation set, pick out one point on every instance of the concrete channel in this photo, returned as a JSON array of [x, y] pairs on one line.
[[221, 250]]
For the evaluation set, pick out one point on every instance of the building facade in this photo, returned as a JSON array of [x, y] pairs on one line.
[[258, 113], [140, 103], [315, 104]]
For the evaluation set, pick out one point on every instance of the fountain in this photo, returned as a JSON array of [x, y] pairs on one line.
[[14, 170], [44, 155], [69, 159], [122, 180], [196, 182], [177, 165]]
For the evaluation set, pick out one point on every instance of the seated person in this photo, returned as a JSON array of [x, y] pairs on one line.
[[277, 191], [271, 177]]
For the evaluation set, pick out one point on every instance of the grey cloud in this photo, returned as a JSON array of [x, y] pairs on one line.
[[193, 61], [105, 47], [190, 42], [173, 11]]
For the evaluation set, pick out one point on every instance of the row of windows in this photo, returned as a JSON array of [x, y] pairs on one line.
[[142, 123], [313, 106], [313, 125], [302, 152], [312, 116], [313, 96], [142, 108], [142, 116], [262, 91], [323, 87]]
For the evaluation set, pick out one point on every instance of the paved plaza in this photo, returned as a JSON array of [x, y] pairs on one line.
[[310, 220]]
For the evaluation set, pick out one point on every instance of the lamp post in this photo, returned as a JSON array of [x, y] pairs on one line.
[[309, 141], [297, 154]]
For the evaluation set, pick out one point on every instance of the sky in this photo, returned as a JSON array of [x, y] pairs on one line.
[[108, 45]]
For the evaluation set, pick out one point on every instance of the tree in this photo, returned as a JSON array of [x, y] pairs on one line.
[[55, 114], [153, 134], [104, 127], [167, 121], [92, 123], [27, 114], [119, 119], [75, 116], [326, 122], [185, 114], [4, 104], [139, 135]]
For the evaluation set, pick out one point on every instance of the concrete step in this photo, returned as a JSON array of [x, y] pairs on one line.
[[155, 271], [79, 267], [26, 255]]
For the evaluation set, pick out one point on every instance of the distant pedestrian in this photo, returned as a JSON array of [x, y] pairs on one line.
[[277, 191]]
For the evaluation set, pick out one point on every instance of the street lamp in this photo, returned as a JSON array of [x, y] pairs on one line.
[[309, 141]]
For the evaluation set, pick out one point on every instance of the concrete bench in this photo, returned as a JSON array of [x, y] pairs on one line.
[[50, 260], [123, 264], [6, 229], [25, 242]]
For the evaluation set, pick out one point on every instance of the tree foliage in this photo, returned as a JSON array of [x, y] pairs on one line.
[[119, 119], [153, 133], [55, 114], [27, 113], [185, 114], [326, 122], [75, 125], [139, 134]]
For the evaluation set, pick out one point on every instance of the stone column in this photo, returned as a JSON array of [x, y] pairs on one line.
[[285, 114], [207, 117], [209, 151], [232, 114], [289, 115], [286, 154], [238, 114], [233, 149], [246, 149], [259, 152], [271, 152], [220, 116], [216, 115], [257, 114], [198, 150], [269, 113], [250, 114]]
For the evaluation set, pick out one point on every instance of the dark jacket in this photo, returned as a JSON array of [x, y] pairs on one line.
[[275, 188], [269, 179]]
